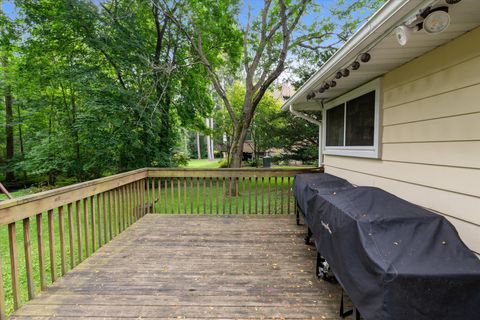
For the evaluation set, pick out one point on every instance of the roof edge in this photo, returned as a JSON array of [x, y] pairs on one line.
[[379, 25]]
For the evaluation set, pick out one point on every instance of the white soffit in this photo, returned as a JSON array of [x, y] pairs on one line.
[[387, 54]]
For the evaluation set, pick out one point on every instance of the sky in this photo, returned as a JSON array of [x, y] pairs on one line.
[[10, 10]]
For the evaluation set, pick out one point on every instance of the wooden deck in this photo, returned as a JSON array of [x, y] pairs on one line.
[[195, 267]]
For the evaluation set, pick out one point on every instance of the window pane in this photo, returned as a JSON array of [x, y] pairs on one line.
[[335, 126], [360, 120]]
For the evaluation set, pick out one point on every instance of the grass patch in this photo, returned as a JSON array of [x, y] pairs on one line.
[[203, 163]]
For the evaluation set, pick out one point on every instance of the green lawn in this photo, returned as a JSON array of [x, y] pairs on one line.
[[203, 163]]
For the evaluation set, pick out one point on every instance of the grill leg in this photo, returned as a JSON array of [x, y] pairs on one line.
[[297, 213], [343, 314], [308, 236], [356, 314]]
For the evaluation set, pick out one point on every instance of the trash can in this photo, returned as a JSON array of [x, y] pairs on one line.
[[267, 162]]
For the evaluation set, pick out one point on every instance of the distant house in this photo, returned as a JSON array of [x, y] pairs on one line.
[[401, 107]]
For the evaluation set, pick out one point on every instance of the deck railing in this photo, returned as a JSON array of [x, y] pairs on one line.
[[71, 223]]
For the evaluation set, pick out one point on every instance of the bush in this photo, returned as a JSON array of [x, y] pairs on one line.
[[223, 163], [180, 159]]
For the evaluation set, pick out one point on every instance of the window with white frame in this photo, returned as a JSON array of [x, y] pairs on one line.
[[352, 123]]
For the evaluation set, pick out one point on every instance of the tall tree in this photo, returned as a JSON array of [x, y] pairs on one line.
[[270, 35], [6, 39]]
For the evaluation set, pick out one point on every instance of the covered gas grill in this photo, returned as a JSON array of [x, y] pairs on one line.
[[394, 259]]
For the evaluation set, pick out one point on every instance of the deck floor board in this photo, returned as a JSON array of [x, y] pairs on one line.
[[194, 267]]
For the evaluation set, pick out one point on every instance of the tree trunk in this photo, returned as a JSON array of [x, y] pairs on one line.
[[209, 122], [9, 175], [199, 150], [20, 138]]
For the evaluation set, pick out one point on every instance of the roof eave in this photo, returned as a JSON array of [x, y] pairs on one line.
[[377, 27]]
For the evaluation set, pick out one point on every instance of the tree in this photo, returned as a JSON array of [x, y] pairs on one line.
[[269, 38], [104, 88], [262, 123], [7, 37]]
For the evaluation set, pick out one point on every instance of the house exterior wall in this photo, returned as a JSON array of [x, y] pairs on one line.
[[430, 150]]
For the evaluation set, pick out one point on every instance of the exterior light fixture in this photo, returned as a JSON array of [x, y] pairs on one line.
[[437, 20], [402, 34], [345, 72], [365, 57], [355, 65], [338, 75]]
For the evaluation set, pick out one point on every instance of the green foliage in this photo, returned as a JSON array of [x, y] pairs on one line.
[[99, 89]]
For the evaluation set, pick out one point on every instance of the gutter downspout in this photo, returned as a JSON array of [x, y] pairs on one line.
[[316, 122]]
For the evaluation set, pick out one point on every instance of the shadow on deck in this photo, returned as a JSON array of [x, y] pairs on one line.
[[178, 266]]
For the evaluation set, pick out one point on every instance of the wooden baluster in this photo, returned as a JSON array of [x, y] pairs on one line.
[[172, 199], [143, 197], [134, 202], [79, 231], [71, 235], [217, 192], [128, 204], [85, 229], [61, 224], [282, 187], [93, 223], [51, 245], [160, 201], [205, 195], [192, 195], [99, 220], [256, 195], [114, 212], [105, 224], [288, 195], [124, 207], [198, 195], [111, 223], [119, 209], [263, 195], [268, 195], [41, 252], [243, 195], [166, 195], [185, 190], [276, 196], [179, 192], [148, 196], [28, 258], [249, 195], [3, 315], [229, 193], [154, 196], [12, 237], [139, 200], [211, 194]]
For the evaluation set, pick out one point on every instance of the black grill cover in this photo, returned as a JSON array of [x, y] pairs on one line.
[[395, 259], [308, 185]]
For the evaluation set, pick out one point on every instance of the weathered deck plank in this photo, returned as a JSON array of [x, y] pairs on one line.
[[194, 267]]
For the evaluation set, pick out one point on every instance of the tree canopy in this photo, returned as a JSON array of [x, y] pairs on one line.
[[91, 88]]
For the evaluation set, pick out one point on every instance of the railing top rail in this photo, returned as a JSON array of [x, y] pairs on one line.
[[26, 206], [227, 172]]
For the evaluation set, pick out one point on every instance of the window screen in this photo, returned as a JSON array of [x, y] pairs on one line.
[[335, 126], [360, 120]]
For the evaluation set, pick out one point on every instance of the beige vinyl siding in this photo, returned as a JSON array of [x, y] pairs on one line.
[[430, 136]]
